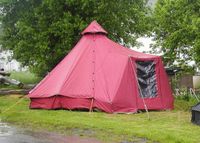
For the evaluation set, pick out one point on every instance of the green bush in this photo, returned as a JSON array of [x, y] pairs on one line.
[[25, 77], [185, 101]]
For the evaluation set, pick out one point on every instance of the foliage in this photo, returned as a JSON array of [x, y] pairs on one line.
[[42, 32], [8, 87], [185, 97], [177, 30], [25, 77], [163, 126], [185, 102]]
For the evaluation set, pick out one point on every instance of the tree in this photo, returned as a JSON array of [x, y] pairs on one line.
[[177, 30], [41, 32]]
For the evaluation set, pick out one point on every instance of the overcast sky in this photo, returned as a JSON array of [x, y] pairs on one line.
[[145, 44]]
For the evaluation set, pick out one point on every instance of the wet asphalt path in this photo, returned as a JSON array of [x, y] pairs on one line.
[[10, 134]]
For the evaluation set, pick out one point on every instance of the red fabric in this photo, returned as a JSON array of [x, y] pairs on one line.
[[94, 27], [102, 71]]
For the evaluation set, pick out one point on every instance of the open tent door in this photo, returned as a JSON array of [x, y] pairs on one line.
[[146, 75]]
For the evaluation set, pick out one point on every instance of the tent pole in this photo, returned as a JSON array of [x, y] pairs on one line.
[[145, 106], [91, 105]]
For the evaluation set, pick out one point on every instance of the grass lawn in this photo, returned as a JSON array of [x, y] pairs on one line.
[[163, 126], [25, 77]]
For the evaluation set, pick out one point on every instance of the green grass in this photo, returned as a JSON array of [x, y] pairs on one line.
[[3, 86], [163, 126], [184, 103], [25, 77]]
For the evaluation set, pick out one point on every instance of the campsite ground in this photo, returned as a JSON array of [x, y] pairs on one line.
[[163, 126]]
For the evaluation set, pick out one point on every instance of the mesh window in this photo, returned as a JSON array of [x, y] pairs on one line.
[[146, 78]]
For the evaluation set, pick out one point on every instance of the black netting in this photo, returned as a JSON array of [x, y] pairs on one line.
[[146, 75]]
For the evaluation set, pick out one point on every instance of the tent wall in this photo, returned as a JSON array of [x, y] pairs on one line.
[[53, 83], [125, 97], [63, 102], [79, 83], [165, 88], [60, 102]]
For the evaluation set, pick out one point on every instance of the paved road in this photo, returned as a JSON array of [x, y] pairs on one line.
[[9, 134]]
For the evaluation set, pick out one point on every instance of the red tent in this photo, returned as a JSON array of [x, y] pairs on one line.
[[99, 73]]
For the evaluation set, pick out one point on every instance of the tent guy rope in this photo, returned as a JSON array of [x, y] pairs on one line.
[[10, 107]]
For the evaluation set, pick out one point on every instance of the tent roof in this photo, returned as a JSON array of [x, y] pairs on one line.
[[94, 27]]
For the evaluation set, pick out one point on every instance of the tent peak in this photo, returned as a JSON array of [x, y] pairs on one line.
[[93, 28]]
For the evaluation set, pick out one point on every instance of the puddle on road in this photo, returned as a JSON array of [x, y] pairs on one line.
[[5, 130], [9, 134]]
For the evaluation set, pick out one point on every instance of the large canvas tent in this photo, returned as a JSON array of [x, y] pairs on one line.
[[99, 73]]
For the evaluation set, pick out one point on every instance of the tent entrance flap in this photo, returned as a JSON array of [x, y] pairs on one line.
[[146, 75]]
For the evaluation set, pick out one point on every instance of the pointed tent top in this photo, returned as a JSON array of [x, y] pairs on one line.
[[94, 27]]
